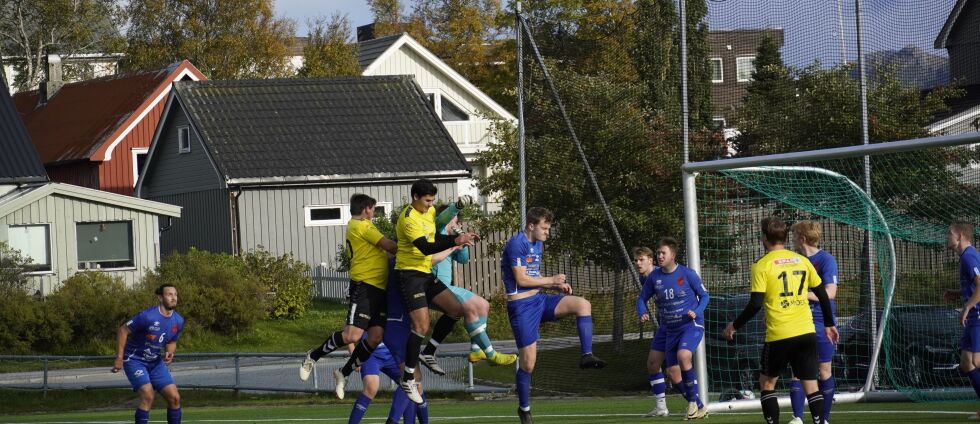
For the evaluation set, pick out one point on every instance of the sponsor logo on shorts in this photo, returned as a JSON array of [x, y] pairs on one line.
[[418, 295], [138, 373], [365, 316]]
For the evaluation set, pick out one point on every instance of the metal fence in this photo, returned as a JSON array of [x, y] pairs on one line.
[[238, 371]]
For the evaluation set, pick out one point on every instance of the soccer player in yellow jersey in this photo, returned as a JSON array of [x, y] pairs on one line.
[[368, 251], [779, 283], [417, 242]]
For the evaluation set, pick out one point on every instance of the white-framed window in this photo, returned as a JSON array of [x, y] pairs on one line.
[[744, 67], [32, 241], [105, 245], [325, 215], [139, 159], [447, 110], [382, 209], [183, 139], [718, 123], [717, 70]]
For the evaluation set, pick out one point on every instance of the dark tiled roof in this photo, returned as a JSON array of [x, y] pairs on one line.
[[83, 115], [370, 50], [18, 162], [304, 129]]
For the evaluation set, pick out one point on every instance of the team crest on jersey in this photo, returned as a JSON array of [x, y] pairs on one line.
[[173, 328], [680, 281]]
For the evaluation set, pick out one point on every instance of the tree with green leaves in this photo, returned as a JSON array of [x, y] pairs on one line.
[[31, 29], [330, 51], [226, 40]]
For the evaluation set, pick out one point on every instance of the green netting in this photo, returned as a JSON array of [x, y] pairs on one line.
[[913, 199]]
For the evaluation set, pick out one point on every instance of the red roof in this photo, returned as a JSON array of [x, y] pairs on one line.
[[84, 120]]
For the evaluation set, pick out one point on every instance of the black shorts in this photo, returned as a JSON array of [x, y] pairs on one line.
[[418, 288], [368, 305], [800, 352]]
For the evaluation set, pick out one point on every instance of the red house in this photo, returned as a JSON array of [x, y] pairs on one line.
[[96, 133]]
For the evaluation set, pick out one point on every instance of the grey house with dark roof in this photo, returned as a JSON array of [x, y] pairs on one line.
[[273, 163]]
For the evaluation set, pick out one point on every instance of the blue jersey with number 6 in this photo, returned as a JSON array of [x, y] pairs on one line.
[[151, 331]]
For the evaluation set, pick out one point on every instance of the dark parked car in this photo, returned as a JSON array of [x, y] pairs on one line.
[[922, 343]]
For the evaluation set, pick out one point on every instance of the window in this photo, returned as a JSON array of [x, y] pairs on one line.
[[718, 123], [183, 139], [139, 159], [451, 112], [32, 241], [745, 67], [382, 209], [324, 215], [105, 245], [717, 72]]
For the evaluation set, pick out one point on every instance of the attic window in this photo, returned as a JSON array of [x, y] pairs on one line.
[[183, 139], [451, 112], [139, 159], [325, 215]]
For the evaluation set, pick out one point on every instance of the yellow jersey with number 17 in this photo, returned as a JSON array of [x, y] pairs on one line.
[[785, 278], [411, 225]]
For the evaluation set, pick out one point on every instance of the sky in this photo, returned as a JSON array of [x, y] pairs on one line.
[[812, 27]]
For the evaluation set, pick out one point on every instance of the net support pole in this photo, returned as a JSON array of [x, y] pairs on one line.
[[522, 180], [694, 262]]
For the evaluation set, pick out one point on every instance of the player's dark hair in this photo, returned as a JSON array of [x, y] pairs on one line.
[[359, 201], [964, 229], [774, 229], [671, 244], [159, 290], [537, 215], [423, 187], [642, 251]]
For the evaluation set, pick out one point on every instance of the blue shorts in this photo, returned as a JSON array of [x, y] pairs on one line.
[[970, 341], [528, 313], [462, 295], [396, 337], [140, 374], [670, 340], [825, 349], [381, 361]]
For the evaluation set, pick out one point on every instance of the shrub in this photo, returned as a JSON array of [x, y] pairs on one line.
[[27, 327], [287, 278], [93, 305], [215, 291]]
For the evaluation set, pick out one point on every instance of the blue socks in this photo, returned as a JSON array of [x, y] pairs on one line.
[[975, 380], [142, 417], [523, 389], [422, 411], [585, 333], [360, 408], [691, 381], [399, 403], [797, 397], [409, 416], [173, 416], [829, 388], [657, 385]]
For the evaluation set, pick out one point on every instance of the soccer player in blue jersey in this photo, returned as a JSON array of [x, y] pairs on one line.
[[144, 356], [680, 298], [806, 237], [960, 240], [528, 306], [475, 308]]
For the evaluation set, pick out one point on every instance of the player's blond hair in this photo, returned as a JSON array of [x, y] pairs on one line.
[[642, 251], [809, 230], [964, 229]]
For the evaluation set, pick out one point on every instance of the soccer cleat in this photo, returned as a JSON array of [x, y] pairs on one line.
[[658, 412], [430, 362], [795, 420], [307, 368], [341, 382], [502, 359], [590, 361], [525, 416], [476, 356], [411, 390], [695, 413], [464, 201]]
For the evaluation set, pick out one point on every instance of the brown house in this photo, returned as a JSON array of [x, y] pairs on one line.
[[96, 133], [733, 61]]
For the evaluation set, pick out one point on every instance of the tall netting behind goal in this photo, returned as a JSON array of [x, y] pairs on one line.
[[891, 251]]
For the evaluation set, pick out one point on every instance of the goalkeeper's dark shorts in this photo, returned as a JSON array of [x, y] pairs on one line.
[[799, 352]]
